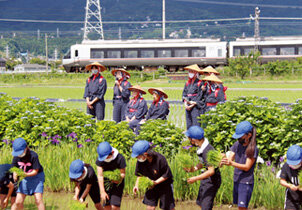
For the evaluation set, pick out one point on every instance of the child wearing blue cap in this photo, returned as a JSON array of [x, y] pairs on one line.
[[210, 180], [33, 183], [289, 178], [7, 187], [243, 157], [109, 159], [86, 182], [154, 166]]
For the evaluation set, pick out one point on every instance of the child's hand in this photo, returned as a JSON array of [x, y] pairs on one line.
[[104, 197], [293, 187], [135, 190], [81, 200], [75, 198], [5, 202], [191, 180]]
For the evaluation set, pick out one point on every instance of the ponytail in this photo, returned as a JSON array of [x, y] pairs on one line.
[[250, 151]]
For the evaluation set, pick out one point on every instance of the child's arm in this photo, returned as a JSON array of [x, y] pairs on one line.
[[85, 193], [135, 188], [284, 183], [104, 195], [195, 168], [204, 175], [32, 173], [9, 194], [76, 191]]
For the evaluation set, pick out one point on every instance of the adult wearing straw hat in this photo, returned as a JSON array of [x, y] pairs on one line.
[[121, 93], [95, 89], [191, 95], [214, 93], [208, 71], [159, 108], [136, 108]]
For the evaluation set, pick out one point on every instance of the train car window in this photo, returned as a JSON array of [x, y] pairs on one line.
[[147, 53], [199, 53], [76, 53], [299, 50], [164, 53], [181, 53], [96, 53], [236, 52], [219, 53], [247, 51], [67, 55], [269, 51], [287, 51], [130, 54], [114, 54]]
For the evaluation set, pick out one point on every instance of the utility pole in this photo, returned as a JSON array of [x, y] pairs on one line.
[[257, 29], [38, 34], [7, 51], [164, 19], [93, 11], [58, 33], [119, 33], [46, 49]]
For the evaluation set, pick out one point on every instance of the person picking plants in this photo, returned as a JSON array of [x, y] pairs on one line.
[[33, 183], [243, 156], [7, 187], [210, 180], [289, 178], [109, 159], [154, 166], [86, 183]]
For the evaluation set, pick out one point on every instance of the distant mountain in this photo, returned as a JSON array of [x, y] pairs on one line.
[[151, 9]]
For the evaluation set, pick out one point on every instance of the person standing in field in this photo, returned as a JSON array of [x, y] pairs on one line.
[[210, 180], [95, 89], [214, 93], [109, 159], [7, 186], [243, 158], [289, 178], [191, 96], [121, 94], [136, 108], [86, 183], [154, 166], [33, 183]]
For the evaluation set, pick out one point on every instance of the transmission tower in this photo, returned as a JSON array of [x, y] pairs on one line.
[[257, 29], [93, 19]]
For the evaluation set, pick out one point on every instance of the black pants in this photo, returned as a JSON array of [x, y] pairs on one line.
[[98, 110], [191, 117], [206, 194], [119, 107]]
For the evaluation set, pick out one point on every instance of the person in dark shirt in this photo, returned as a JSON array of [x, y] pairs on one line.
[[33, 183], [210, 180], [137, 108], [191, 96], [86, 183], [289, 178], [159, 108], [243, 157], [7, 186], [95, 89], [121, 94], [154, 166], [109, 159]]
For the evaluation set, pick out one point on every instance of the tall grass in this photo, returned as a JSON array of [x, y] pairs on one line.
[[267, 192]]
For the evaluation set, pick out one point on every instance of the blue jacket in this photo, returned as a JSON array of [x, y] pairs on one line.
[[158, 111], [125, 94], [95, 88], [136, 108]]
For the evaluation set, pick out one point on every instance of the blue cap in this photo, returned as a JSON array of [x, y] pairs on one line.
[[104, 149], [242, 129], [139, 148], [294, 155], [76, 169], [195, 132], [19, 146]]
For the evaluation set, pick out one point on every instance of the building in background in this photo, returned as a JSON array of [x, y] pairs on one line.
[[29, 68], [2, 64]]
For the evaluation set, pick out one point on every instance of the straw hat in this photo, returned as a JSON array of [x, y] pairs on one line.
[[212, 78], [120, 69], [138, 88], [100, 66], [193, 67], [150, 90], [209, 69]]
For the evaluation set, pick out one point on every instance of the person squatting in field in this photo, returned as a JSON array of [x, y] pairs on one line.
[[121, 94], [33, 183], [244, 153], [210, 179], [109, 159], [86, 182], [95, 89], [154, 166], [289, 178], [7, 186]]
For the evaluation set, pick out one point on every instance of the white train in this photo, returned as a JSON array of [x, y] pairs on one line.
[[174, 54]]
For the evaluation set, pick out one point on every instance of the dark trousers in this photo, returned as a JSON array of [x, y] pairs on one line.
[[119, 107], [134, 126], [191, 117], [98, 110]]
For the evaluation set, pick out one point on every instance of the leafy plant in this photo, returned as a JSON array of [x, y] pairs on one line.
[[144, 183], [76, 205], [20, 173], [186, 161], [111, 176], [214, 158]]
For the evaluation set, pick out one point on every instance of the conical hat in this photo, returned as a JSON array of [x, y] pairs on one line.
[[100, 66], [193, 67], [213, 78], [120, 69], [150, 90], [210, 69], [137, 87]]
